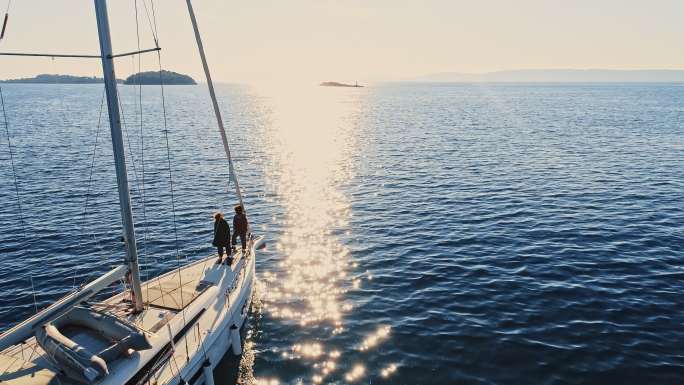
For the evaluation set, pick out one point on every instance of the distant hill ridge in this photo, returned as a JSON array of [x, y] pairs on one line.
[[560, 75], [56, 79]]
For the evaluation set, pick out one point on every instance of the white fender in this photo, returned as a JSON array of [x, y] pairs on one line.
[[235, 342], [208, 373]]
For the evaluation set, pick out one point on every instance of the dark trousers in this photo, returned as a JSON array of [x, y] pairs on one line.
[[220, 251], [243, 239]]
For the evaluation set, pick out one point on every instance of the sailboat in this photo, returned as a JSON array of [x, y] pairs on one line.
[[172, 329]]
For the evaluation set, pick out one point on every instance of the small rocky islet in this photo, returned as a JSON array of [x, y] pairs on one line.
[[338, 84]]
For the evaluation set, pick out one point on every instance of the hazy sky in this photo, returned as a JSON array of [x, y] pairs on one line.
[[357, 40]]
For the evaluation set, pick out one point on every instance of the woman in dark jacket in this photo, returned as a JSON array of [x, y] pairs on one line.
[[240, 227], [221, 235]]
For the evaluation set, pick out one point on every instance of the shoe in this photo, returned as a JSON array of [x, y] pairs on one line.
[[229, 261], [218, 262]]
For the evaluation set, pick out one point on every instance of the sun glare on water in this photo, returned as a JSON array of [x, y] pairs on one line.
[[311, 133], [312, 145]]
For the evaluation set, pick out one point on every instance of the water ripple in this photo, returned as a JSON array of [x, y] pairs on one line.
[[419, 234]]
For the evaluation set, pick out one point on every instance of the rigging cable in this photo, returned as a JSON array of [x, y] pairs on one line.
[[4, 22], [168, 157], [92, 167], [33, 289], [60, 97], [128, 142], [16, 187], [11, 153], [168, 160], [65, 122], [14, 171], [142, 146], [154, 19], [130, 149], [153, 26], [217, 112]]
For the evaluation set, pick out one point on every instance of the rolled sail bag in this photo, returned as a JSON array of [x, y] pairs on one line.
[[77, 362]]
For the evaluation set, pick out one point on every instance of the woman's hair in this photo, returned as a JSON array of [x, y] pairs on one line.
[[218, 216], [238, 209]]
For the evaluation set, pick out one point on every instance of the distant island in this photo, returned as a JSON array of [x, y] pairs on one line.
[[145, 78], [152, 78], [56, 79], [336, 84], [560, 76]]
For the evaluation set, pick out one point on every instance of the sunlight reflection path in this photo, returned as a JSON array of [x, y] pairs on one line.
[[312, 138]]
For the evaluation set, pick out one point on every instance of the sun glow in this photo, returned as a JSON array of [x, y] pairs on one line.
[[374, 339], [313, 141], [356, 373], [389, 370]]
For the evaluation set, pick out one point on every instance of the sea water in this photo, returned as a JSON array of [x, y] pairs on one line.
[[416, 233]]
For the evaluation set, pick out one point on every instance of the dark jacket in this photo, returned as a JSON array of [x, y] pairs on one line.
[[221, 233], [240, 223]]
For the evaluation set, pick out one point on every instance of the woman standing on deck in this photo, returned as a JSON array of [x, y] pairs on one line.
[[221, 235], [240, 227]]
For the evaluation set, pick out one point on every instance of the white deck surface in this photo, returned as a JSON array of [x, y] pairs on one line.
[[165, 298]]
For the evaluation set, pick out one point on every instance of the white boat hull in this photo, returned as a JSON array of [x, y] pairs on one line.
[[219, 341], [223, 343]]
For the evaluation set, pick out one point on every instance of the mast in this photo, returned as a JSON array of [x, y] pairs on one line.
[[217, 112], [118, 146]]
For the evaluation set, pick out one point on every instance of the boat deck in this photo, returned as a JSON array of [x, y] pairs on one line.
[[178, 290], [164, 296], [25, 365], [18, 371]]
